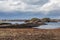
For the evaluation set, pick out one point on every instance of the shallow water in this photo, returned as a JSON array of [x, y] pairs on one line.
[[51, 25], [16, 22]]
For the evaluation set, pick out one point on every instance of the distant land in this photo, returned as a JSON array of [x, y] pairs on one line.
[[20, 20]]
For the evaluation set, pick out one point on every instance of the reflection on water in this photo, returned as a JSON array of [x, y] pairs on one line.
[[51, 25]]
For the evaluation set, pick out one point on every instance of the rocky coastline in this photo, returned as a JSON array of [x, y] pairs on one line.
[[34, 22]]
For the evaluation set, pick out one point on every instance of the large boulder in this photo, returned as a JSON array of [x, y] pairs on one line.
[[33, 20], [46, 20]]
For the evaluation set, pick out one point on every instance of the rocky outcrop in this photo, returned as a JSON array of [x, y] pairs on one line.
[[34, 22], [5, 24], [26, 25]]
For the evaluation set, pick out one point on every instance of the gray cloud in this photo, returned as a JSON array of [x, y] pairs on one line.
[[45, 6], [35, 2]]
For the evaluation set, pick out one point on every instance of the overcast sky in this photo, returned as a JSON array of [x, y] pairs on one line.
[[26, 9]]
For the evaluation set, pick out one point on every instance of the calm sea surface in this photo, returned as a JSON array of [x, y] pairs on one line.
[[16, 22], [51, 25]]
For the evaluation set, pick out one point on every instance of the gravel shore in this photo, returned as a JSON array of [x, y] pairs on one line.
[[29, 34]]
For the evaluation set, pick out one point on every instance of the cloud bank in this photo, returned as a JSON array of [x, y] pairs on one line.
[[30, 5]]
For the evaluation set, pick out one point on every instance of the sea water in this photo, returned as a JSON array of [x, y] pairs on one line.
[[16, 22], [50, 25]]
